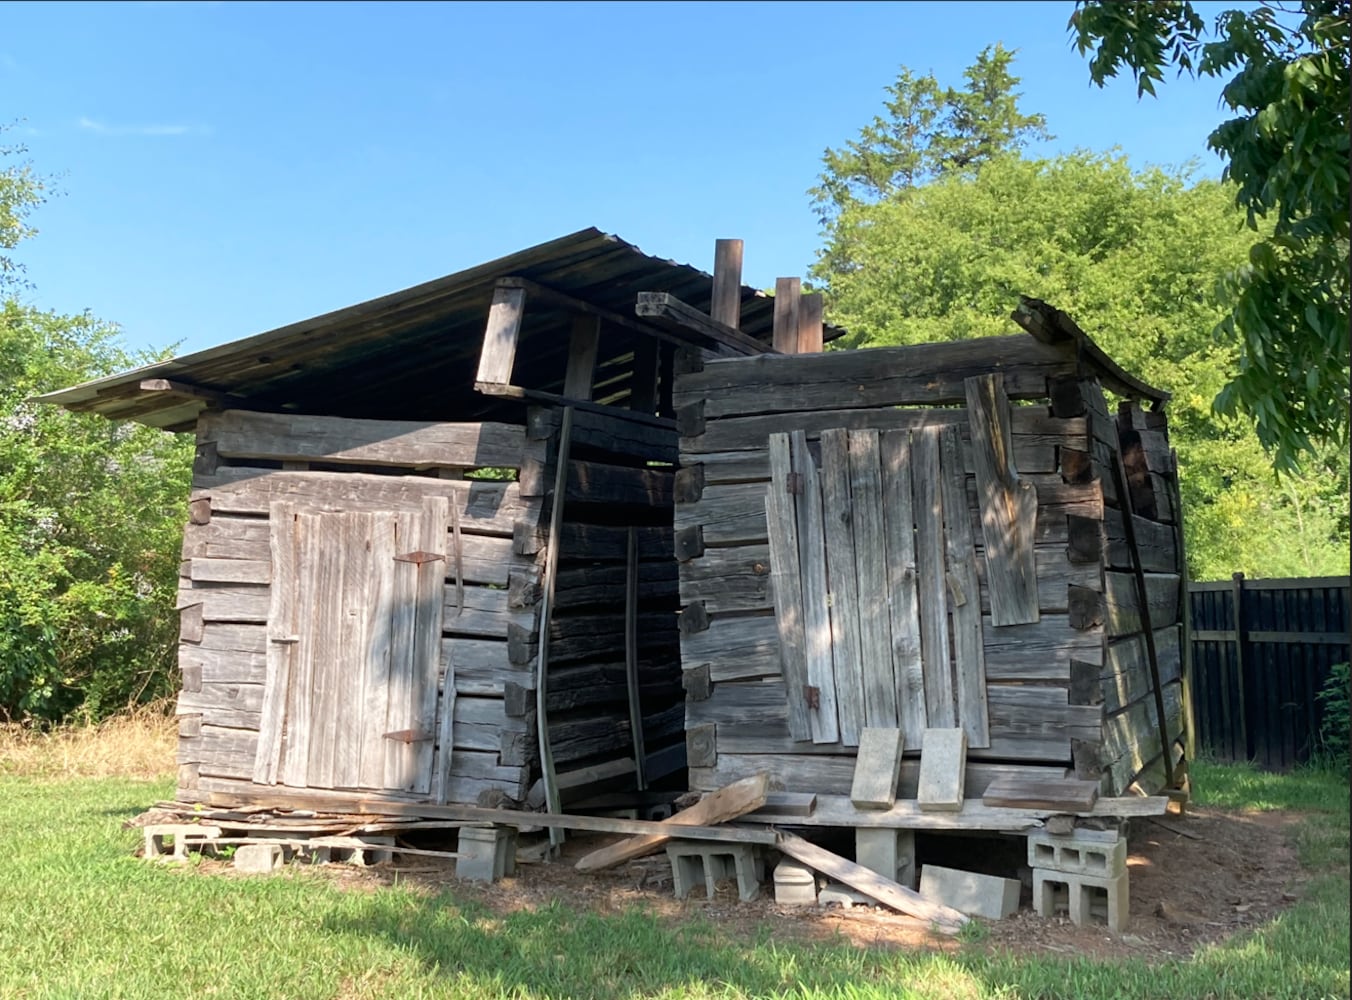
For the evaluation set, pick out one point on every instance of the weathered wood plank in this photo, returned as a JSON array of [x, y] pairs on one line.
[[429, 589], [810, 331], [1121, 602], [788, 292], [321, 592], [374, 663], [482, 667], [1125, 675], [230, 571], [1008, 504], [1039, 652], [668, 312], [790, 615], [295, 437], [615, 432], [293, 766], [486, 507], [903, 601], [943, 768], [931, 578], [1063, 795], [843, 584], [726, 296], [1157, 544], [356, 612], [227, 602], [836, 810], [879, 377], [735, 648], [399, 714], [816, 611], [969, 659], [583, 340], [600, 483], [731, 513], [727, 803], [877, 769], [871, 566], [735, 579], [499, 348]]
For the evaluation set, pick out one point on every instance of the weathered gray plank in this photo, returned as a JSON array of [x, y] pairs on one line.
[[732, 513], [903, 602], [843, 583], [871, 563], [816, 612], [877, 770], [482, 667], [734, 579], [787, 301], [734, 648], [355, 627], [433, 532], [788, 587], [1125, 676], [227, 602], [230, 571], [1121, 602], [321, 592], [499, 348], [399, 710], [582, 344], [931, 578], [969, 657], [373, 663], [1039, 652], [295, 437], [1008, 504]]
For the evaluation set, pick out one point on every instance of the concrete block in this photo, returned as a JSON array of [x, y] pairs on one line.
[[943, 768], [843, 896], [795, 884], [258, 859], [1078, 855], [184, 836], [1084, 898], [481, 855], [695, 861], [889, 852], [970, 892], [877, 769]]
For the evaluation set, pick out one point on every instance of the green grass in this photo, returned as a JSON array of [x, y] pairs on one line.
[[80, 917]]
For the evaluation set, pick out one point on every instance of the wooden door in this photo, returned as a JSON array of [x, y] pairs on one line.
[[877, 597], [354, 635]]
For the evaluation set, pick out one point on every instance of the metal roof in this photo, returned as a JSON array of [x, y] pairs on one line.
[[412, 354]]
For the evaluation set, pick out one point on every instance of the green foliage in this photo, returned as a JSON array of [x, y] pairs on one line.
[[21, 190], [91, 515], [1286, 151], [930, 131], [1333, 730], [1134, 257]]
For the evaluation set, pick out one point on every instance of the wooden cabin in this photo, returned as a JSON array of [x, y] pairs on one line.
[[429, 553], [550, 527], [947, 535]]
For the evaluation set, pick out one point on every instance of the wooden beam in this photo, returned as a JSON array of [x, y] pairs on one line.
[[810, 327], [569, 303], [871, 884], [213, 398], [788, 292], [504, 327], [668, 311], [906, 814], [582, 344], [736, 799], [726, 307]]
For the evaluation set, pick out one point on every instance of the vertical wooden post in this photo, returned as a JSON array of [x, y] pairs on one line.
[[1237, 599], [499, 348], [582, 346], [727, 293], [810, 324], [631, 656], [788, 300]]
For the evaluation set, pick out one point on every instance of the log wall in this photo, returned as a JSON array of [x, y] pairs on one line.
[[246, 462], [1045, 677]]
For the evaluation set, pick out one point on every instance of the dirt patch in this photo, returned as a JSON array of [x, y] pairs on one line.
[[1195, 879]]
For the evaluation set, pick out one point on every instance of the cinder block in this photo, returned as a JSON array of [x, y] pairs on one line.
[[943, 768], [970, 892], [693, 861], [795, 884], [1084, 898], [258, 859], [889, 852], [1078, 855], [842, 896], [481, 855]]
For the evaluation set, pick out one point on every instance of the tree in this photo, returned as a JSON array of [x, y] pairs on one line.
[[1286, 152], [1134, 257], [20, 191], [91, 515], [930, 131]]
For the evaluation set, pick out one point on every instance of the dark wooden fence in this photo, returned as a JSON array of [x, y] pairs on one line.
[[1261, 651]]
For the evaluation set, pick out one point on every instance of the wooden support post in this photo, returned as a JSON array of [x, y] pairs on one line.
[[643, 384], [631, 654], [810, 324], [582, 345], [499, 350], [727, 292], [788, 295]]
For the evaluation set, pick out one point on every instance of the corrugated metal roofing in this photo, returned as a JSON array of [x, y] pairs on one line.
[[412, 354]]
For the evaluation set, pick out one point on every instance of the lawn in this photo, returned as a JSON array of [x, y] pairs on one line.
[[81, 917]]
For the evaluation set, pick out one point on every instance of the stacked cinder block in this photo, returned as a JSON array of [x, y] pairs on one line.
[[1083, 873], [696, 861]]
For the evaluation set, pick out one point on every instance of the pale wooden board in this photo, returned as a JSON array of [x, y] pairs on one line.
[[873, 885], [871, 564], [943, 768], [499, 346], [1008, 504], [816, 612], [727, 803], [788, 588], [433, 535], [399, 712], [969, 657], [903, 602], [374, 666], [282, 614], [204, 570], [299, 708], [877, 769], [842, 583], [321, 592], [1066, 795], [354, 637], [931, 579]]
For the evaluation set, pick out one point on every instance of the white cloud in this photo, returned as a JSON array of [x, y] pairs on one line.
[[102, 128]]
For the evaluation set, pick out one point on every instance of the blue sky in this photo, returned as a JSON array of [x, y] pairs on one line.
[[229, 168]]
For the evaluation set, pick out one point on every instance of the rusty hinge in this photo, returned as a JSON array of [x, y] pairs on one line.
[[406, 736], [793, 484], [418, 557], [813, 696]]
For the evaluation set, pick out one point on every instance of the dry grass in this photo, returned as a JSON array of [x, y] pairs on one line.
[[135, 744]]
